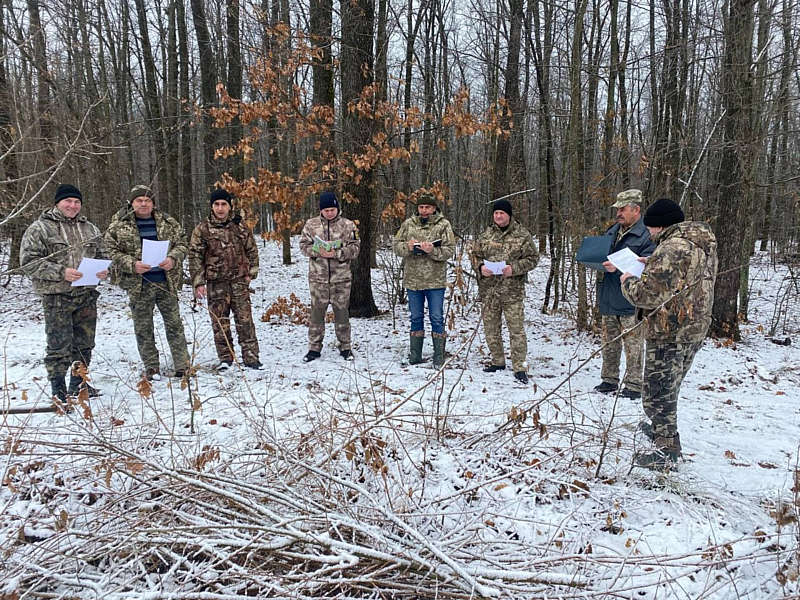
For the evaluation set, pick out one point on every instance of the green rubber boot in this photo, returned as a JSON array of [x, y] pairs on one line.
[[415, 353], [438, 350]]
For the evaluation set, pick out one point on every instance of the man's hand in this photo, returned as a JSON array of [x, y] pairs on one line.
[[327, 253], [200, 292], [167, 263], [72, 274], [411, 244], [102, 274], [624, 277], [486, 272], [507, 271], [141, 267], [426, 247], [609, 267]]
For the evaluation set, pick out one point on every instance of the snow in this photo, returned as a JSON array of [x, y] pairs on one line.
[[467, 479]]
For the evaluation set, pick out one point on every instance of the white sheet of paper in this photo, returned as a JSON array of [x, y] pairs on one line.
[[154, 251], [90, 267], [495, 267], [627, 262]]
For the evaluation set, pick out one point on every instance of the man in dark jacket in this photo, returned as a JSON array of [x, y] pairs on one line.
[[223, 260], [618, 315]]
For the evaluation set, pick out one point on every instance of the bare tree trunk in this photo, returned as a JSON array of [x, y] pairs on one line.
[[234, 80], [575, 144], [357, 73], [735, 183], [208, 89]]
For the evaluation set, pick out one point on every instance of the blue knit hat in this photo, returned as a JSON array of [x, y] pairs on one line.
[[328, 200]]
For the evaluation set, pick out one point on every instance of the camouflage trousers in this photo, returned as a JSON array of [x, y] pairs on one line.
[[225, 297], [69, 324], [514, 311], [338, 296], [666, 365], [613, 326], [142, 306]]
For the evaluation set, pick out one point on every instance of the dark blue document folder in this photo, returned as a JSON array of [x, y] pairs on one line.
[[594, 251]]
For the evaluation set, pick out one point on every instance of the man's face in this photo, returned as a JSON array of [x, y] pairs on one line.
[[330, 212], [501, 218], [69, 207], [425, 210], [654, 231], [142, 207], [628, 215], [221, 209]]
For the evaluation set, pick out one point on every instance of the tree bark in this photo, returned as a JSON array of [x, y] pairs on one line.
[[357, 74]]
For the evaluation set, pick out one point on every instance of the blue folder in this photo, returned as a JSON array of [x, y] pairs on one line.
[[594, 251]]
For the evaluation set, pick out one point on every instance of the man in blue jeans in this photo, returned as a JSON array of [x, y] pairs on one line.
[[425, 242]]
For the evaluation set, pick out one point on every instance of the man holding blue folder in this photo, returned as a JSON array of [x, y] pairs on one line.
[[618, 314]]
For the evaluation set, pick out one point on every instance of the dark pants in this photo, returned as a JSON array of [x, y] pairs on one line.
[[69, 323], [223, 298], [665, 367], [142, 306]]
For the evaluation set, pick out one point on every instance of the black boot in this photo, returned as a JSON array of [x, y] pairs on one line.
[[58, 389], [76, 384]]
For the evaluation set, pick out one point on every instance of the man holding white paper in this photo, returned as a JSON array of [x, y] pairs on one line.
[[134, 229], [53, 253], [502, 256], [630, 241]]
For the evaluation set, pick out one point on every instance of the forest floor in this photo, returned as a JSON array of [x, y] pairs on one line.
[[377, 479]]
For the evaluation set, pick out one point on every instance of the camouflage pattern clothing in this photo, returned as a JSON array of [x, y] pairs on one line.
[[633, 342], [329, 279], [684, 265], [50, 245], [124, 246], [223, 257], [425, 271], [505, 295], [666, 365]]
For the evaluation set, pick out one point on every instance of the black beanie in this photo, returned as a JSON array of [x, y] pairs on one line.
[[220, 194], [66, 190], [503, 205], [663, 213], [328, 200]]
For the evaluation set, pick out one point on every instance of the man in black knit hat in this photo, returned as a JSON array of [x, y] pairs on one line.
[[675, 294], [50, 253], [223, 260]]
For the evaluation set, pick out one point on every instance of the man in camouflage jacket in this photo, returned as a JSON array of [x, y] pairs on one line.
[[51, 251], [330, 242], [426, 242], [508, 241], [149, 286], [676, 294], [223, 260]]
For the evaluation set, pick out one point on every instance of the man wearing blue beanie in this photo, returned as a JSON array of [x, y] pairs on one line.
[[331, 243]]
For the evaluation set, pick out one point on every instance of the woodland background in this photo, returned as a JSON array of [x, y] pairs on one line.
[[572, 101]]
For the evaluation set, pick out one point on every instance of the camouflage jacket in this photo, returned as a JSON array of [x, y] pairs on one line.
[[342, 232], [125, 248], [222, 250], [53, 243], [425, 271], [515, 247], [684, 264]]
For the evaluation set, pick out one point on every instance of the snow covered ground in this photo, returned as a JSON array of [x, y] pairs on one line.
[[375, 479]]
